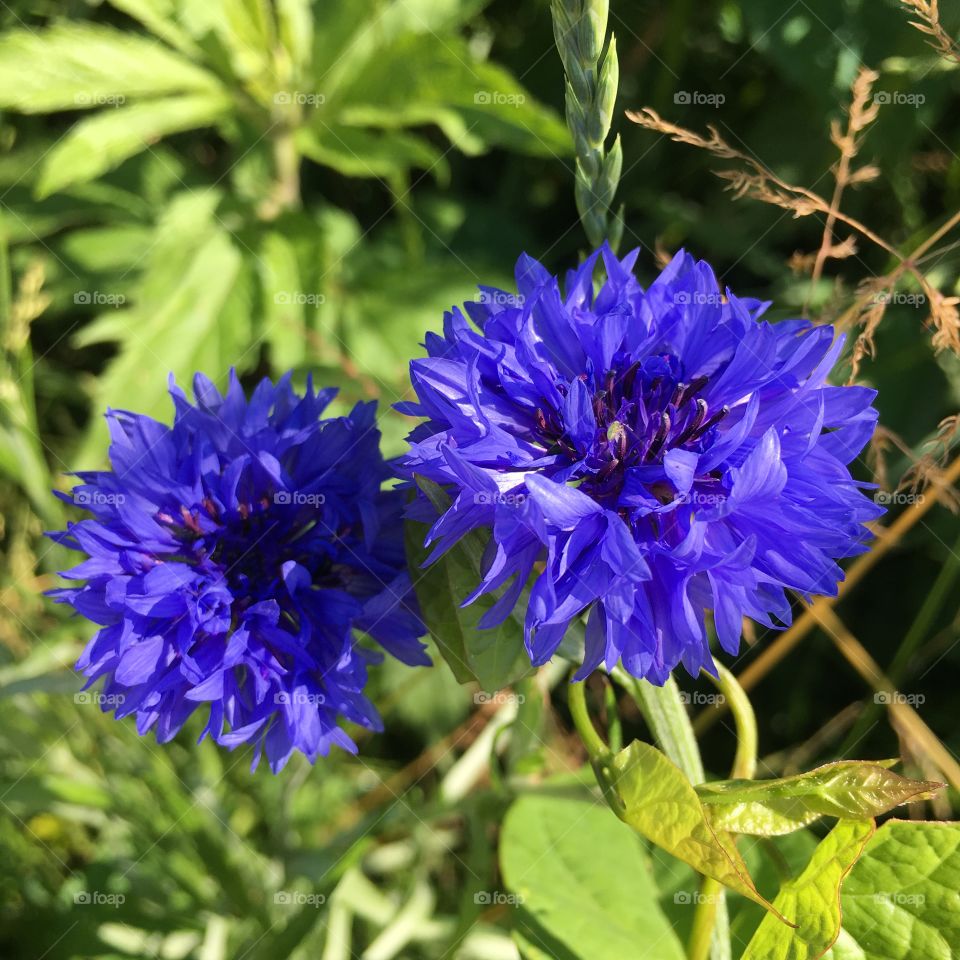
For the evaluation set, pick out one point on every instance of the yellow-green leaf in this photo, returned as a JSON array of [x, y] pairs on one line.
[[660, 804], [902, 899], [812, 900], [849, 788]]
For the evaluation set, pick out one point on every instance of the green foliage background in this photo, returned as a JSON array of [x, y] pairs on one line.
[[199, 184]]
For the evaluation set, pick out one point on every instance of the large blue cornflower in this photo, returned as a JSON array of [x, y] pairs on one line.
[[232, 557], [643, 455]]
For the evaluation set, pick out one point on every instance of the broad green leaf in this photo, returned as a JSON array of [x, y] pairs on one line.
[[492, 657], [159, 17], [356, 152], [349, 37], [284, 299], [99, 143], [79, 66], [901, 900], [660, 804], [179, 322], [582, 879], [475, 103], [104, 249], [295, 27], [812, 900], [848, 788]]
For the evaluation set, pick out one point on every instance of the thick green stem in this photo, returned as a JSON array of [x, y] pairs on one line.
[[703, 934], [577, 702], [745, 760], [670, 725], [668, 721]]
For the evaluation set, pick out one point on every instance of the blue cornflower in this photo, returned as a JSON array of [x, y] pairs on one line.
[[640, 455], [231, 558]]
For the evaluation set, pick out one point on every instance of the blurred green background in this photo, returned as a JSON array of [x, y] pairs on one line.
[[199, 184]]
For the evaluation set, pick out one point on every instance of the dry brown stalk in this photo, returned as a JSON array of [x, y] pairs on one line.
[[904, 717], [756, 181], [861, 113], [928, 22]]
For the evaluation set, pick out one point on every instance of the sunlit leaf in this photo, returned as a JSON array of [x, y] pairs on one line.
[[581, 878], [849, 788], [902, 899], [812, 900], [99, 143], [79, 66], [660, 804]]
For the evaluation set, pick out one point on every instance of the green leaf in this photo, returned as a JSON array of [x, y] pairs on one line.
[[583, 879], [103, 141], [900, 901], [848, 788], [158, 16], [475, 103], [356, 152], [184, 318], [812, 900], [492, 657], [77, 66], [284, 299], [660, 804]]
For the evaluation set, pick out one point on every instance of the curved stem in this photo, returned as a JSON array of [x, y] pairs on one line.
[[745, 760], [667, 719], [577, 702]]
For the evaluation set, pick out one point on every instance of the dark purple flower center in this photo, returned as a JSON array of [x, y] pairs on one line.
[[248, 548], [641, 410]]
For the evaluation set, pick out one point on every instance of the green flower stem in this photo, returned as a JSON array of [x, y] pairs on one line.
[[592, 77], [705, 932], [745, 760], [671, 728], [744, 767], [668, 721], [577, 702], [601, 756]]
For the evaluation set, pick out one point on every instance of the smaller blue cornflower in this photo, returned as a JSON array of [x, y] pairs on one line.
[[233, 558]]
